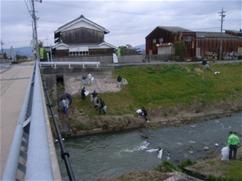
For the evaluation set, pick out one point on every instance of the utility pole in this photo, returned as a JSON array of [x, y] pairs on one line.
[[35, 34], [222, 15], [2, 46]]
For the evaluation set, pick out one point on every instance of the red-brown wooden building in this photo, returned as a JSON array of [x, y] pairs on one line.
[[196, 44]]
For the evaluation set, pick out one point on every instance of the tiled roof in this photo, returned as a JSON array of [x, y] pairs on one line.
[[214, 35], [174, 29]]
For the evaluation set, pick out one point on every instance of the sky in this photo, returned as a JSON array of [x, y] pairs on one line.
[[129, 21]]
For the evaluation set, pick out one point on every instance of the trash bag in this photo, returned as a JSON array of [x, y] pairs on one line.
[[225, 153], [160, 153]]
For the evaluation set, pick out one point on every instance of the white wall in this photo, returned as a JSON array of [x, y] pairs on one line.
[[164, 50]]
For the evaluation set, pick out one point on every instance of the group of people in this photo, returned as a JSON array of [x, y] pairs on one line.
[[87, 79], [95, 99]]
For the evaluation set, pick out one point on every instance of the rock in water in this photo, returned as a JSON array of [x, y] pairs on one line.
[[206, 148]]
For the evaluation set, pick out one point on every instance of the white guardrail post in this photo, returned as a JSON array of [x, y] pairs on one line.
[[39, 161]]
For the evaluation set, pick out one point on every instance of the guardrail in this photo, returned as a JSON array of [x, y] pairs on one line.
[[83, 64], [32, 121], [39, 161]]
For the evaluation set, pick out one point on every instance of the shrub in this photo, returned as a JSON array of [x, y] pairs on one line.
[[167, 166]]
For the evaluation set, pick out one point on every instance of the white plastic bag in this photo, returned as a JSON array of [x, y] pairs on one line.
[[225, 153], [160, 153]]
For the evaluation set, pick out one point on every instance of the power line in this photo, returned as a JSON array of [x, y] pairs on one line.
[[27, 6]]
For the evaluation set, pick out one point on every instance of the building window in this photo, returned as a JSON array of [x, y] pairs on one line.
[[81, 53]]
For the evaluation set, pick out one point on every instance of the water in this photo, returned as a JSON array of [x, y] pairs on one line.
[[108, 155]]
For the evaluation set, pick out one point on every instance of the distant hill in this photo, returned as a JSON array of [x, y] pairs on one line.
[[23, 51], [141, 47]]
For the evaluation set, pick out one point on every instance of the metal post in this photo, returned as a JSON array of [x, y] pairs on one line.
[[221, 30], [2, 46], [35, 34]]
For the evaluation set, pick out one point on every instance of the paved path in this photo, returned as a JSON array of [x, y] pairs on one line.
[[13, 85]]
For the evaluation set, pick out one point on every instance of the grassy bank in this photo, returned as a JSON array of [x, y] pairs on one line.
[[217, 170], [211, 170], [168, 86]]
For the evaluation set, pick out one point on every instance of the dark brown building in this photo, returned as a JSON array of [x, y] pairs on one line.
[[208, 43], [81, 37], [163, 40], [168, 36]]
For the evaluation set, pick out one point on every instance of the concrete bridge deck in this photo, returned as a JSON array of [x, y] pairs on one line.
[[13, 86]]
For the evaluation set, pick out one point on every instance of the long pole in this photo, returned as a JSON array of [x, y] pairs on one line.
[[35, 34], [222, 15], [2, 46]]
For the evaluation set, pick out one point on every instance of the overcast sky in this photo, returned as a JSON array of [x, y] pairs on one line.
[[128, 21]]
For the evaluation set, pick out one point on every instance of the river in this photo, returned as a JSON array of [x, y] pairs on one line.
[[108, 155]]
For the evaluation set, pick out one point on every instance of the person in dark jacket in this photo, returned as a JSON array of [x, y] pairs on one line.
[[93, 96], [119, 81], [144, 113], [102, 107], [69, 97], [205, 63], [83, 93]]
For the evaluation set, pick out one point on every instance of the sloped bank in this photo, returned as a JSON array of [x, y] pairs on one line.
[[172, 94], [79, 124]]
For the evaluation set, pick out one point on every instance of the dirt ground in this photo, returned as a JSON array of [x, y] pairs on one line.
[[102, 83]]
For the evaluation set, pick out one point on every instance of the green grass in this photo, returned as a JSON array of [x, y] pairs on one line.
[[166, 86], [234, 170]]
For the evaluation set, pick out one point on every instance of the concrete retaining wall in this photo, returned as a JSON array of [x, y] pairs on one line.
[[131, 59]]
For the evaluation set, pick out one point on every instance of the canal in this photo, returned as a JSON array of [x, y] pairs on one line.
[[106, 155]]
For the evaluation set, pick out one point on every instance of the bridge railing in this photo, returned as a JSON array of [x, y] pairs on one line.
[[39, 161], [83, 64], [33, 122]]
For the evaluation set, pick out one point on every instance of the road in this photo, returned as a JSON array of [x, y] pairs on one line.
[[13, 85]]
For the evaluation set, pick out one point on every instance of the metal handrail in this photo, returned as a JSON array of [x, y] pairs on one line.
[[13, 156], [39, 161], [71, 63]]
